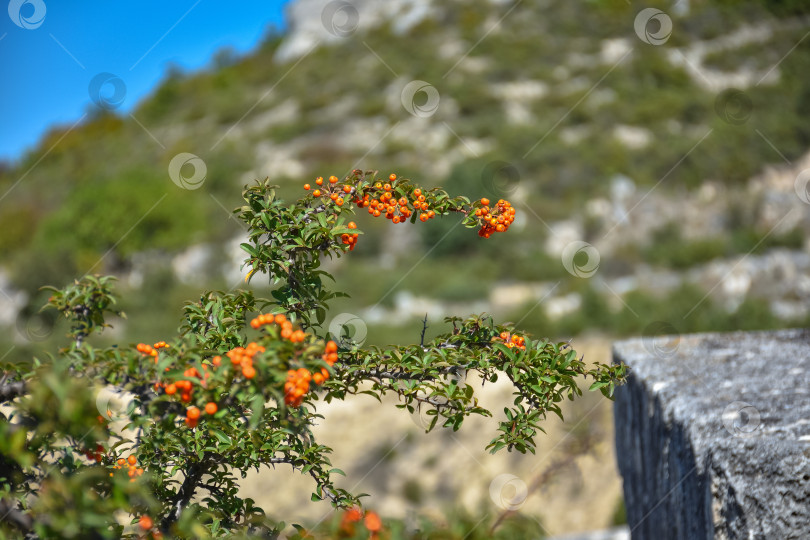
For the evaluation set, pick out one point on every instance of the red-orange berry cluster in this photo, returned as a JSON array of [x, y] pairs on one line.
[[350, 239], [287, 330], [297, 384], [96, 455], [381, 201], [242, 358], [336, 193], [151, 350], [184, 386], [147, 350], [131, 463], [511, 340], [330, 355], [495, 219], [354, 514]]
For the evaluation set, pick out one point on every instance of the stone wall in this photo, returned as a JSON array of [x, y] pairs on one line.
[[713, 435]]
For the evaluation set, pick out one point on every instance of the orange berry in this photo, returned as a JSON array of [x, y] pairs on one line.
[[331, 347], [280, 318], [171, 389], [339, 201], [352, 225], [485, 201], [193, 413], [352, 514], [121, 461], [319, 180], [217, 360], [316, 193], [373, 522], [307, 187], [132, 460], [191, 423], [317, 379], [210, 408], [249, 372], [347, 189], [333, 179], [145, 523]]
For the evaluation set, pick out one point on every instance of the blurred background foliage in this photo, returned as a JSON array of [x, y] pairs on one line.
[[98, 198]]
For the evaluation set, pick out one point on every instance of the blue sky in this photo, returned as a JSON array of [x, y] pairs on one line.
[[48, 63]]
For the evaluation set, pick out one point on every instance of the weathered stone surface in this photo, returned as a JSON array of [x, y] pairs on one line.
[[713, 435]]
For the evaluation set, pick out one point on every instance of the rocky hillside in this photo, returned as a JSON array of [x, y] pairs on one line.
[[656, 159]]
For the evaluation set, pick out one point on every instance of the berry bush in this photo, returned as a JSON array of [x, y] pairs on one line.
[[149, 440]]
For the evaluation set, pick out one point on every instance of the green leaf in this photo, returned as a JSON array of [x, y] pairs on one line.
[[249, 249], [221, 436]]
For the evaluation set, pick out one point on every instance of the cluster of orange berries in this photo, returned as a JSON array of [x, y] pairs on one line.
[[511, 340], [287, 331], [193, 413], [381, 201], [350, 239], [185, 386], [495, 219], [336, 193], [371, 520], [242, 357], [151, 350], [131, 463], [297, 384]]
